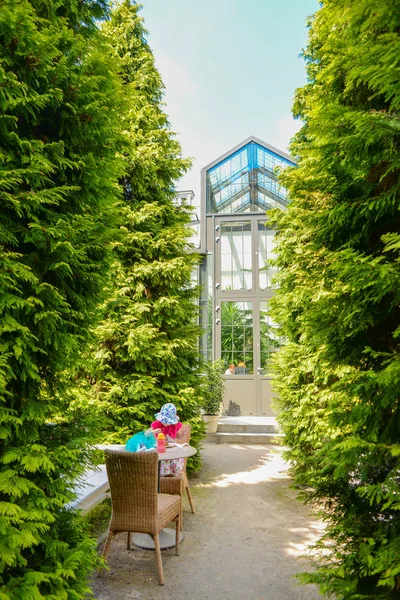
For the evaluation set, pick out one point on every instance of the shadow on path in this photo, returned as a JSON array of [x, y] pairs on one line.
[[243, 543]]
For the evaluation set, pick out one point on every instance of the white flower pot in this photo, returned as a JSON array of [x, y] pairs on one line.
[[211, 422]]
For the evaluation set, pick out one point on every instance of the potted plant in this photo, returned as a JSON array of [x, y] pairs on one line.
[[212, 394]]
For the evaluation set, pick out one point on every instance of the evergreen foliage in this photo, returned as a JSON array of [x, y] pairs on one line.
[[338, 376], [213, 387], [148, 342], [59, 102]]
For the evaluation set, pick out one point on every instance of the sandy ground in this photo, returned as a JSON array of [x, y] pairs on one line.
[[243, 543]]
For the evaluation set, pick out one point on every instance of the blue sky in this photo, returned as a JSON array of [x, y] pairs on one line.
[[230, 68]]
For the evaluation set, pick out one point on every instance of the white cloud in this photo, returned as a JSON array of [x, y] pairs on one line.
[[180, 100], [285, 128], [175, 77]]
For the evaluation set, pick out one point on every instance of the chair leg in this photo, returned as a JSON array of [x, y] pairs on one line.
[[181, 514], [128, 541], [178, 533], [190, 499], [159, 559], [108, 543]]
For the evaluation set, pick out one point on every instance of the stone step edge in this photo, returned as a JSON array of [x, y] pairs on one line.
[[259, 429], [245, 438]]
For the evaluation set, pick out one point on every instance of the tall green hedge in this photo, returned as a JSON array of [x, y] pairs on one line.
[[148, 342], [338, 251], [59, 124]]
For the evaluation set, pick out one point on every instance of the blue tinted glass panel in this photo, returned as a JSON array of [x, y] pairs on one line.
[[246, 181]]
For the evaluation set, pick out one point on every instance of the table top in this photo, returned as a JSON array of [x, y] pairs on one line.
[[177, 452], [170, 453]]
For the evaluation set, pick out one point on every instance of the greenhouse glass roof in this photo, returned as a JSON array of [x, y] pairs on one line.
[[246, 181]]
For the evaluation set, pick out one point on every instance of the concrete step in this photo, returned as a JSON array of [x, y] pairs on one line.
[[248, 425], [246, 430], [244, 438], [240, 428]]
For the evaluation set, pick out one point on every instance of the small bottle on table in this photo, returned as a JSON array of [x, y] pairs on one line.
[[161, 444]]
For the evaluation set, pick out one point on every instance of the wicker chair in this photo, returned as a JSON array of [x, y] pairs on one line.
[[180, 483], [137, 507]]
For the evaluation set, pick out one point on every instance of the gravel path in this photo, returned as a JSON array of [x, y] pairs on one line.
[[243, 543]]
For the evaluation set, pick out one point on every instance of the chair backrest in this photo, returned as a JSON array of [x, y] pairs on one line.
[[133, 480], [184, 434], [184, 437]]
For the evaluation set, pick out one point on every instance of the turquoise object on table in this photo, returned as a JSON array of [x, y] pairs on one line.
[[141, 442]]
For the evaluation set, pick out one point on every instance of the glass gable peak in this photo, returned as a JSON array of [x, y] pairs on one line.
[[246, 181]]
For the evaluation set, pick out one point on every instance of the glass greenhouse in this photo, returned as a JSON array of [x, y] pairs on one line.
[[237, 281]]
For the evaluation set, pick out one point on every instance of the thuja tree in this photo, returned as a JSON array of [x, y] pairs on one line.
[[58, 174], [338, 375], [148, 343]]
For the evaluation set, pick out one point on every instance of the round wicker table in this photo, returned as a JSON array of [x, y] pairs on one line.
[[167, 536]]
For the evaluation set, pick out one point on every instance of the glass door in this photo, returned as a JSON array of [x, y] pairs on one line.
[[236, 346], [269, 342], [243, 334]]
